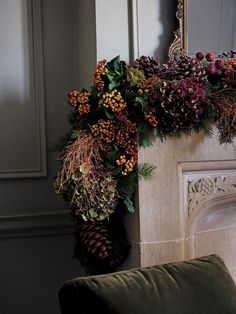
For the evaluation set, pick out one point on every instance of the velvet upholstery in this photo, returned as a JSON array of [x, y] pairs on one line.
[[199, 286]]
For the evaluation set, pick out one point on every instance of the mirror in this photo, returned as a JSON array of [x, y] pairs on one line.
[[205, 25]]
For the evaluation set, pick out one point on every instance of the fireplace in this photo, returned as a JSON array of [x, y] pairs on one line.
[[210, 215], [189, 208]]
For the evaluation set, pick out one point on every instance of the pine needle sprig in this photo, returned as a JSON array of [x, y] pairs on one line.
[[145, 171]]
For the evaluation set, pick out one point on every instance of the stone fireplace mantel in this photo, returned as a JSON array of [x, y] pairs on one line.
[[194, 188]]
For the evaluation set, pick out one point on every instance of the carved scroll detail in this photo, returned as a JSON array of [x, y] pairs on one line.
[[201, 190], [178, 42]]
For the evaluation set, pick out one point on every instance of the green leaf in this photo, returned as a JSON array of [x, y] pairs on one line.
[[113, 84], [111, 76], [142, 101], [116, 63], [129, 204]]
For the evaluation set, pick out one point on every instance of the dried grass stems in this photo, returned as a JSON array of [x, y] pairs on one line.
[[83, 157], [225, 103]]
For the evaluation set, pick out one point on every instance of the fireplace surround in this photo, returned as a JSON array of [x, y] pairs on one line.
[[189, 208]]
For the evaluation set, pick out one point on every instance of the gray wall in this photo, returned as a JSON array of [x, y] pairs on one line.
[[36, 238], [36, 241]]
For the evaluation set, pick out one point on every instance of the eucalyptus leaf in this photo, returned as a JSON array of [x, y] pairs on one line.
[[129, 204]]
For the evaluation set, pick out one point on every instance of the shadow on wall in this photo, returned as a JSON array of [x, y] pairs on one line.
[[169, 22]]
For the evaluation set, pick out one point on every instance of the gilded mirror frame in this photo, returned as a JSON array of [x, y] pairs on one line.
[[180, 41]]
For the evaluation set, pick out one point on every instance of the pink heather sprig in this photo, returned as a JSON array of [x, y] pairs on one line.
[[122, 116], [190, 90]]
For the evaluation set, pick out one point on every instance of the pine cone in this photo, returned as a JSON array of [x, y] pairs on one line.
[[182, 67], [149, 65], [94, 236]]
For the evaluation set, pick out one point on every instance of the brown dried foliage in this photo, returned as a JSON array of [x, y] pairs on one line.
[[225, 103], [149, 84]]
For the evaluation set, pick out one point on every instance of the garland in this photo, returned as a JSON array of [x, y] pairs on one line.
[[126, 108]]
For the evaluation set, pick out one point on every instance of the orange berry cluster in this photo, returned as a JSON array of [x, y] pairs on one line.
[[230, 64], [151, 119], [83, 97], [84, 109], [84, 106], [129, 166], [105, 129], [100, 71], [73, 98], [132, 148], [121, 160], [80, 101], [114, 101], [122, 137]]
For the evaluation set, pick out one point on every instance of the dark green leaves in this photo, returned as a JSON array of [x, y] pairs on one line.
[[116, 72]]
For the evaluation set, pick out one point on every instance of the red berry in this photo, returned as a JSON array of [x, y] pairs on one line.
[[210, 57], [200, 55], [212, 69], [219, 64]]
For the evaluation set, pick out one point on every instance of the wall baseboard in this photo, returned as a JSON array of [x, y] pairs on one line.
[[35, 225]]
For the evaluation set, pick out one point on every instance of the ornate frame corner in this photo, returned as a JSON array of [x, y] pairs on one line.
[[180, 35]]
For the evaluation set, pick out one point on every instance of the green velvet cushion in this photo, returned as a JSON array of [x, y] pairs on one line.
[[198, 286]]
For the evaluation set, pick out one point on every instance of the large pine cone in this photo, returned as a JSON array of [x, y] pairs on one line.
[[94, 236], [101, 247], [182, 67], [149, 65]]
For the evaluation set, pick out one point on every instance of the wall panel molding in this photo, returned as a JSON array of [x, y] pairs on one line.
[[35, 225], [133, 30], [26, 156]]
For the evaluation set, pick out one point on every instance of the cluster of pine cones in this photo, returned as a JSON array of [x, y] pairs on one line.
[[171, 111], [179, 68]]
